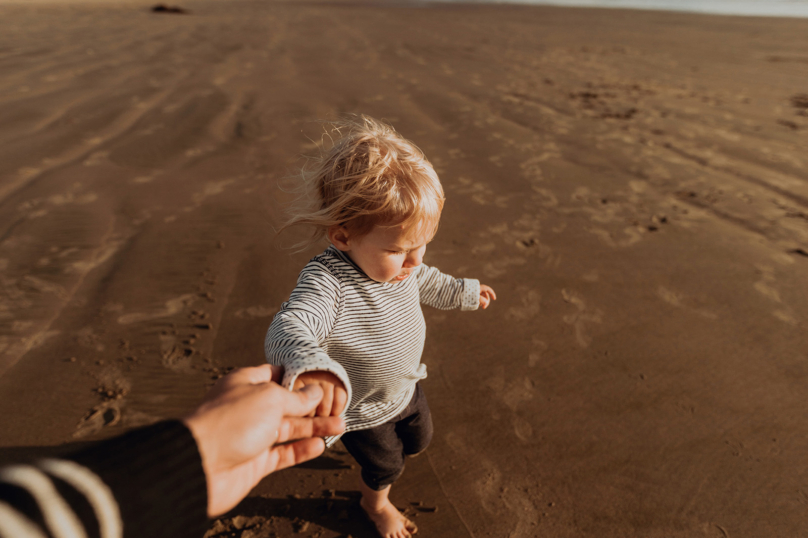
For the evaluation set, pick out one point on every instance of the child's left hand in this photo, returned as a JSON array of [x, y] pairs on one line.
[[486, 296]]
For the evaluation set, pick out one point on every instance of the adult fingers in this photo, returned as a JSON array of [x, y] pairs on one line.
[[324, 409], [340, 400], [301, 428], [253, 375], [293, 453], [299, 403]]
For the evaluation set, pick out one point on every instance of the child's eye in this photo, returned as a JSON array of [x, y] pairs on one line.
[[401, 252]]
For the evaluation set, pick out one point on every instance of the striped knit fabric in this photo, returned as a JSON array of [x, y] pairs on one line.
[[369, 334], [145, 483]]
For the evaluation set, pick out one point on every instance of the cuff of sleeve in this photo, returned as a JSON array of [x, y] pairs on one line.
[[470, 299], [316, 363], [156, 476]]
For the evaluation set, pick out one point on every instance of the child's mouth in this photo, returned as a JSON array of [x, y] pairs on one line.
[[399, 278]]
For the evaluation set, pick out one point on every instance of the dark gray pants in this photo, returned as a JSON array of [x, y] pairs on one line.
[[380, 451]]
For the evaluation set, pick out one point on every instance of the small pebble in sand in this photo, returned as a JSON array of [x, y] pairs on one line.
[[800, 100], [239, 522], [162, 8]]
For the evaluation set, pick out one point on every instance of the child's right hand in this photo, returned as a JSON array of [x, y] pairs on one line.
[[334, 394]]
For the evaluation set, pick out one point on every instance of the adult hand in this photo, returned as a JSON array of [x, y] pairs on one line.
[[241, 424], [334, 394], [486, 296]]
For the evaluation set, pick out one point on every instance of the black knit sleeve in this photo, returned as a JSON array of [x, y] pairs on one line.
[[146, 483], [156, 475]]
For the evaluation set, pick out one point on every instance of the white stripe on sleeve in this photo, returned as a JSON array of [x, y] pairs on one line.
[[60, 519], [94, 489], [15, 525]]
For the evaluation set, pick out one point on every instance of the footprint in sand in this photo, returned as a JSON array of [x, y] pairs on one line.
[[256, 312], [32, 284], [517, 392], [105, 414], [172, 307], [101, 255], [581, 318], [486, 248], [679, 301], [544, 197], [112, 388], [581, 194], [530, 307], [522, 428], [504, 496], [148, 178], [177, 358], [539, 347], [480, 193], [36, 207], [765, 287], [212, 188], [71, 198], [785, 316], [502, 266], [634, 234], [97, 158]]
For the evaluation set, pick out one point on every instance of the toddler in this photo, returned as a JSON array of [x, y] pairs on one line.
[[353, 323]]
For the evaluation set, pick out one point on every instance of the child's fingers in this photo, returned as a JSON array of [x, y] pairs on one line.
[[340, 399], [324, 409], [488, 291]]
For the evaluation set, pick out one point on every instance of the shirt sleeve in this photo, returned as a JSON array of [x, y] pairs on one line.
[[443, 291], [148, 482], [296, 337]]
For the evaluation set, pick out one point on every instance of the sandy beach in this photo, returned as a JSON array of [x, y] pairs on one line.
[[633, 184]]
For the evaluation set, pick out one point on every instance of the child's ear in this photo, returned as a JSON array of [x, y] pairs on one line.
[[339, 237]]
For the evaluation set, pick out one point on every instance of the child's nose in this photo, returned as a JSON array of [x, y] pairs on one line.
[[414, 259]]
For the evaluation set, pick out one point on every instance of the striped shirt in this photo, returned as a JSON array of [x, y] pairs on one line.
[[369, 334]]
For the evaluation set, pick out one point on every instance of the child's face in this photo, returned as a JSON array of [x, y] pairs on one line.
[[386, 254]]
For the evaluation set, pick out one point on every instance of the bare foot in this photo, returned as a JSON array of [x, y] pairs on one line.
[[389, 521]]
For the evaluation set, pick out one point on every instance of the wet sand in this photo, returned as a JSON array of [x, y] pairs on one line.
[[632, 184]]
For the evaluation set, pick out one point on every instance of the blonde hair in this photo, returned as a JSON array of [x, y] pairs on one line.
[[370, 176]]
